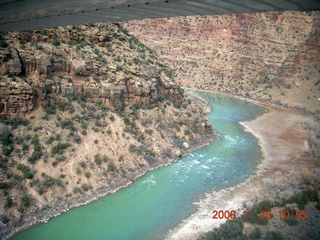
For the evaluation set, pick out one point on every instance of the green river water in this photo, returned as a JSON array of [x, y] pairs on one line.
[[159, 200]]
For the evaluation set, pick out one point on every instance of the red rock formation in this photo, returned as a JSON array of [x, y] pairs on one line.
[[261, 55], [102, 62]]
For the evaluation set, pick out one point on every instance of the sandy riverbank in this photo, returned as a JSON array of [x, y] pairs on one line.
[[280, 173]]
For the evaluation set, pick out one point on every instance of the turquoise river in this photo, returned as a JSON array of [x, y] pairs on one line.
[[159, 200]]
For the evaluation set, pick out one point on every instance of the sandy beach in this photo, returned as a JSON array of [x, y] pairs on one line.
[[283, 141]]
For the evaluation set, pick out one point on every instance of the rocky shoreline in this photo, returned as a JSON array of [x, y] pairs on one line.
[[48, 212], [277, 171], [44, 214]]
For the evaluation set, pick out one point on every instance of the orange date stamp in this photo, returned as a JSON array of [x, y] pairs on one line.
[[264, 214]]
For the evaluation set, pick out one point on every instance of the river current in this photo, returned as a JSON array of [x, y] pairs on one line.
[[159, 200]]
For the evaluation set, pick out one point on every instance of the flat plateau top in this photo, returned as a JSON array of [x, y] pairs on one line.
[[35, 14]]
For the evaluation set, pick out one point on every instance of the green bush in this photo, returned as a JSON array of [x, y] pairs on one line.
[[8, 203], [68, 124], [302, 198], [3, 162], [5, 185], [132, 148], [7, 150], [59, 148], [187, 132], [273, 236], [77, 138], [87, 174], [83, 164], [256, 234], [97, 159], [6, 138], [85, 187], [3, 44], [37, 152], [26, 201], [56, 42], [291, 221], [111, 167], [25, 170], [232, 229], [48, 182]]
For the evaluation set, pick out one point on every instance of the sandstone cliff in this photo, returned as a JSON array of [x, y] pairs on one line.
[[85, 110], [272, 56], [102, 62]]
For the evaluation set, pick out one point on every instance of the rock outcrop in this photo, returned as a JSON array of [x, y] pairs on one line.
[[102, 62], [101, 109], [271, 56]]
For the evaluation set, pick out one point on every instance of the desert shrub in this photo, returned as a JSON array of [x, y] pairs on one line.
[[126, 120], [84, 126], [61, 158], [37, 152], [7, 150], [8, 202], [256, 210], [26, 171], [256, 234], [150, 159], [50, 140], [97, 159], [6, 138], [59, 148], [111, 167], [302, 198], [291, 221], [84, 132], [85, 187], [111, 118], [3, 162], [132, 148], [3, 44], [5, 185], [87, 174], [4, 219], [232, 229], [19, 140], [56, 42], [83, 164], [187, 132], [25, 201], [48, 182], [77, 138], [67, 124], [71, 108], [264, 205], [273, 236], [25, 147]]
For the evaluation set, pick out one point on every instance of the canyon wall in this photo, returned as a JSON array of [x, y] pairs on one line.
[[270, 56], [102, 62], [84, 111]]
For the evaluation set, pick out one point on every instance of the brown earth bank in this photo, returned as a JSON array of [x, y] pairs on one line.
[[285, 169], [85, 110]]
